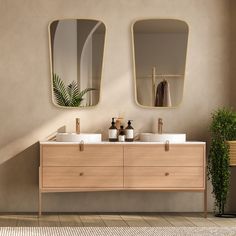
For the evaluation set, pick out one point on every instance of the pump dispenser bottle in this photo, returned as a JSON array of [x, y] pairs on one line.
[[121, 137], [129, 132], [112, 133]]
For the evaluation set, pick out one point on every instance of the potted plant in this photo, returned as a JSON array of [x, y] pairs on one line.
[[68, 95], [223, 129]]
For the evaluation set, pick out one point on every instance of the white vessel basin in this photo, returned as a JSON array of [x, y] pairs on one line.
[[73, 137], [172, 138]]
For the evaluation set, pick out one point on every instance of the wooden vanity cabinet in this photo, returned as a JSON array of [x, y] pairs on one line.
[[111, 167], [68, 167], [181, 167]]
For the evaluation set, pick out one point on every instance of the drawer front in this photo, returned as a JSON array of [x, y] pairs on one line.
[[82, 177], [155, 155], [164, 177], [92, 155]]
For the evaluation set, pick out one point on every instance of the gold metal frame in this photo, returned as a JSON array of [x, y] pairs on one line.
[[134, 68], [51, 69]]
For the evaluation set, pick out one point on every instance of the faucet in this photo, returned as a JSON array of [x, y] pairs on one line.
[[160, 125], [77, 125]]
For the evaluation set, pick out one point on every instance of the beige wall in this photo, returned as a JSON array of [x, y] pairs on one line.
[[28, 115], [233, 52], [232, 197]]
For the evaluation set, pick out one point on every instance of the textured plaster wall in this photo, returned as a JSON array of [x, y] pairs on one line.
[[28, 115], [232, 196]]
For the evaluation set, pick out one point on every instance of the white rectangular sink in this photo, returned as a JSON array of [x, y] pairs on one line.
[[172, 138], [74, 137]]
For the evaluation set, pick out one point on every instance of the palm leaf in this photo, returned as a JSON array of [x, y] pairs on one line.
[[79, 97], [68, 95], [60, 92], [73, 92], [83, 92], [76, 102]]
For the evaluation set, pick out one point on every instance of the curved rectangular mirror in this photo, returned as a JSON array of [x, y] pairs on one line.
[[160, 47], [76, 51]]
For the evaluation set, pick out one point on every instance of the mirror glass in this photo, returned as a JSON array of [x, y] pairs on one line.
[[76, 50], [160, 47]]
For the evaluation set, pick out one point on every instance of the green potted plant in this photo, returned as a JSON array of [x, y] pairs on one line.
[[69, 95], [223, 129]]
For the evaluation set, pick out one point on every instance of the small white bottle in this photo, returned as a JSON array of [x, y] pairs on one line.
[[121, 136]]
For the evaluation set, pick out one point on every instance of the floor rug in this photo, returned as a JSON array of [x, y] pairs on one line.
[[117, 231]]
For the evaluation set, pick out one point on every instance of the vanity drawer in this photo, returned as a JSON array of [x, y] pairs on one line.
[[92, 155], [164, 177], [82, 177], [156, 155]]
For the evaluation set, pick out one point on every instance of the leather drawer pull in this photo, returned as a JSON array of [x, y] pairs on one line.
[[167, 145], [81, 146], [167, 174], [81, 174]]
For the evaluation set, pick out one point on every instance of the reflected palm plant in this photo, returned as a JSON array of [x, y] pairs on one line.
[[69, 95]]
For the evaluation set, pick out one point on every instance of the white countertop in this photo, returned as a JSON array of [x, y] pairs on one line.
[[120, 143]]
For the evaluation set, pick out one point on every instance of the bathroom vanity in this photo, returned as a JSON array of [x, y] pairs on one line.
[[137, 166]]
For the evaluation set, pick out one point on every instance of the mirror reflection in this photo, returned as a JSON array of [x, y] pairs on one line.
[[76, 48], [160, 47]]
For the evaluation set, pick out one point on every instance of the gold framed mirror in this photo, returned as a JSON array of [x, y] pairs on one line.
[[159, 54], [76, 59]]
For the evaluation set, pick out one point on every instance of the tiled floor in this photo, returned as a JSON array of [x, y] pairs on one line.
[[118, 220]]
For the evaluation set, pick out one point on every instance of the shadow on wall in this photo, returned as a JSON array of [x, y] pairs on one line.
[[19, 181], [19, 193]]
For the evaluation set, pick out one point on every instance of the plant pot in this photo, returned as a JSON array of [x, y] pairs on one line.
[[232, 153]]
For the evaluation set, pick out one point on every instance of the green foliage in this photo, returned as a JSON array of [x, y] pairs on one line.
[[223, 129], [68, 96]]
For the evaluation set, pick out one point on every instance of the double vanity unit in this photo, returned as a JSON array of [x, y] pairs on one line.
[[119, 166]]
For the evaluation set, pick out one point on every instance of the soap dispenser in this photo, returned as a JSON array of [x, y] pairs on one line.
[[129, 132], [121, 137], [112, 133]]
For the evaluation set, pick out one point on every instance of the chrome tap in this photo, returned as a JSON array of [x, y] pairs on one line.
[[77, 125], [160, 125]]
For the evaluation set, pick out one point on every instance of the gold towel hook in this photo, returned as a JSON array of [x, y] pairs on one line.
[[167, 145], [81, 146]]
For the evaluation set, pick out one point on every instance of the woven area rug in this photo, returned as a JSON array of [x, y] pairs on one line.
[[116, 231]]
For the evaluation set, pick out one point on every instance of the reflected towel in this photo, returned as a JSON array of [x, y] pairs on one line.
[[159, 95], [163, 98], [166, 98]]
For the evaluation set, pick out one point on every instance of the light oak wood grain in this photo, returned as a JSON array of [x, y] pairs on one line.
[[178, 220], [92, 221], [113, 220], [49, 221], [92, 155], [155, 155], [135, 220], [198, 220], [117, 220], [8, 220], [163, 177], [70, 220], [84, 177], [155, 220], [232, 152], [67, 168], [27, 221]]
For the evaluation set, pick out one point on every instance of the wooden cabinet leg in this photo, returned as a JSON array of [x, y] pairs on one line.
[[40, 203], [205, 202]]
